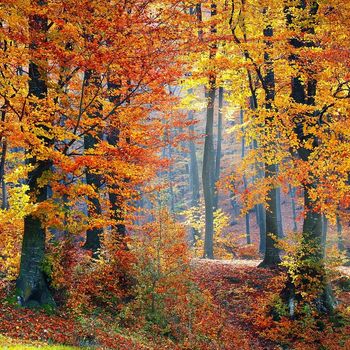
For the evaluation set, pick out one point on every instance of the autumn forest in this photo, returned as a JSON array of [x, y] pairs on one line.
[[175, 174]]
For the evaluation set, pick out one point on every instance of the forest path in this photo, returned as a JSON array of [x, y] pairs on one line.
[[235, 286], [345, 270], [237, 262]]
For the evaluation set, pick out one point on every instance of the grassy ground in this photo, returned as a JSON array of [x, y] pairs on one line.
[[12, 344]]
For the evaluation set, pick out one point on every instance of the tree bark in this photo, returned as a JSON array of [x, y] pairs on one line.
[[271, 255], [341, 247], [279, 212], [32, 286], [93, 235], [304, 92], [218, 147], [294, 213], [208, 172], [247, 222], [113, 139], [194, 174]]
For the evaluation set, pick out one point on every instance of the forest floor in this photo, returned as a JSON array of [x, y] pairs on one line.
[[236, 286]]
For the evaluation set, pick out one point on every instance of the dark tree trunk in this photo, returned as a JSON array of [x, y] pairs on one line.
[[271, 255], [93, 235], [304, 92], [208, 173], [218, 147], [32, 286], [113, 138], [279, 212]]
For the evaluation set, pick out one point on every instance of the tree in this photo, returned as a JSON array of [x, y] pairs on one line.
[[193, 172], [271, 255], [32, 284], [63, 103], [218, 146], [208, 173], [304, 93]]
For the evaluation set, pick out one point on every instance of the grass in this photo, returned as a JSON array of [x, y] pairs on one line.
[[15, 344]]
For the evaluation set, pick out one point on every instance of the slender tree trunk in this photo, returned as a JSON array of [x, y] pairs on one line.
[[262, 228], [114, 198], [93, 235], [324, 233], [208, 173], [341, 247], [247, 222], [4, 204], [171, 178], [271, 256], [294, 213], [194, 174], [113, 139], [260, 208], [32, 286], [279, 212], [218, 147]]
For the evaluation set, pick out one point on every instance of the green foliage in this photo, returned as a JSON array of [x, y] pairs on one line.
[[305, 265], [279, 308]]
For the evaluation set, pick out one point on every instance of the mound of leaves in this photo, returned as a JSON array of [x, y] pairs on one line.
[[57, 326]]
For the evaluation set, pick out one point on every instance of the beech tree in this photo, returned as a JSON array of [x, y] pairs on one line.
[[32, 284], [208, 173]]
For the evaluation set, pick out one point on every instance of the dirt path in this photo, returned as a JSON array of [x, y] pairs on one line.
[[345, 270], [236, 262]]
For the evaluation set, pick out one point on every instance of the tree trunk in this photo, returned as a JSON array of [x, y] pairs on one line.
[[311, 265], [93, 235], [271, 255], [218, 147], [208, 175], [324, 233], [171, 176], [279, 212], [194, 175], [4, 204], [113, 139], [294, 213], [208, 172], [262, 228], [260, 210], [32, 286], [247, 223], [341, 247]]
